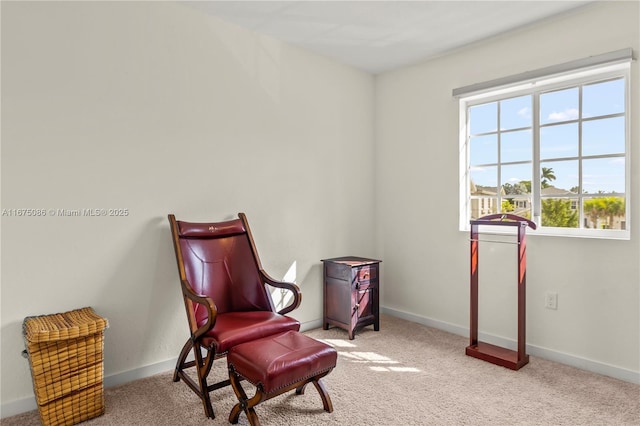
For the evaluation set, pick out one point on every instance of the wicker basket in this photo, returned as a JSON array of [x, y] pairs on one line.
[[66, 358]]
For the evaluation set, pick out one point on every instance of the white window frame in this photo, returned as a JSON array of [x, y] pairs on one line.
[[499, 90]]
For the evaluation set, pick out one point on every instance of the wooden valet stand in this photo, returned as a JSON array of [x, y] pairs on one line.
[[485, 351]]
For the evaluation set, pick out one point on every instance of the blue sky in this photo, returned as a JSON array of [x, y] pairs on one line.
[[559, 138]]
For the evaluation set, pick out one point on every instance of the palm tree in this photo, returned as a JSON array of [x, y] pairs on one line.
[[598, 209], [614, 207], [594, 209], [547, 176]]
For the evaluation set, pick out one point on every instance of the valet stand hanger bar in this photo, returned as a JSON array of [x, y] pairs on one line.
[[496, 241], [485, 351]]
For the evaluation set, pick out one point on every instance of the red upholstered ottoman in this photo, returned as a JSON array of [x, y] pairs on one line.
[[278, 364]]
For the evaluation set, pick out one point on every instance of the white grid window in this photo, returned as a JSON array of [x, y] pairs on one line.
[[554, 150]]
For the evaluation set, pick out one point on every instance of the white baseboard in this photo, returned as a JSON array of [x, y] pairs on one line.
[[311, 325], [19, 406], [28, 404], [139, 373], [541, 352]]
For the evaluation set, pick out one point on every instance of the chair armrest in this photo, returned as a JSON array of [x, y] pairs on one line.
[[207, 302], [292, 287]]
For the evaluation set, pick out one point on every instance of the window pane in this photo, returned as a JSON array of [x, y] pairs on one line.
[[576, 148], [559, 141], [519, 205], [560, 212], [605, 213], [603, 98], [483, 150], [604, 136], [515, 113], [516, 179], [484, 180], [516, 146], [483, 206], [603, 175], [483, 118], [559, 178], [559, 106]]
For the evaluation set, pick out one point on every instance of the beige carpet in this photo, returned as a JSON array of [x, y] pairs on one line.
[[405, 374]]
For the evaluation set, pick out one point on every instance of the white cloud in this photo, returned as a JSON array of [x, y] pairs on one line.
[[567, 114], [525, 112], [477, 169]]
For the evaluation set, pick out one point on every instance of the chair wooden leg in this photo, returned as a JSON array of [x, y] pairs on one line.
[[183, 355], [203, 367]]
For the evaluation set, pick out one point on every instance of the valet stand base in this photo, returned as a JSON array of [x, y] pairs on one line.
[[497, 355]]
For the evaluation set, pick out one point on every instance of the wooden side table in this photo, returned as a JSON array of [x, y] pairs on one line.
[[351, 293]]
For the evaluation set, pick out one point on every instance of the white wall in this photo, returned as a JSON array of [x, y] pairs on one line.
[[426, 258], [156, 108], [153, 107]]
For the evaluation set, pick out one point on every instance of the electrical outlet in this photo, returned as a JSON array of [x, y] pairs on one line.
[[551, 300]]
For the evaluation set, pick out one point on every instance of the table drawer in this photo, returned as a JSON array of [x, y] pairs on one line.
[[364, 285], [338, 271], [365, 273]]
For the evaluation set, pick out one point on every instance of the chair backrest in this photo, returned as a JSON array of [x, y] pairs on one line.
[[218, 260]]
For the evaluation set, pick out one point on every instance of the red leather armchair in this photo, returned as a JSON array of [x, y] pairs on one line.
[[226, 296]]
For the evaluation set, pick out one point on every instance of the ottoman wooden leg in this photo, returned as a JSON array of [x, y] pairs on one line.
[[244, 403], [326, 400]]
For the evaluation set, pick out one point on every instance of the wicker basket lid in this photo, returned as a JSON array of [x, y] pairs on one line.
[[66, 325]]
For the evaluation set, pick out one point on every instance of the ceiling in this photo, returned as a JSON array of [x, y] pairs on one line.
[[377, 36]]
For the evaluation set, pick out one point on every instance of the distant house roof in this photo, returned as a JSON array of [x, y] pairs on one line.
[[492, 190], [485, 190], [552, 190]]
